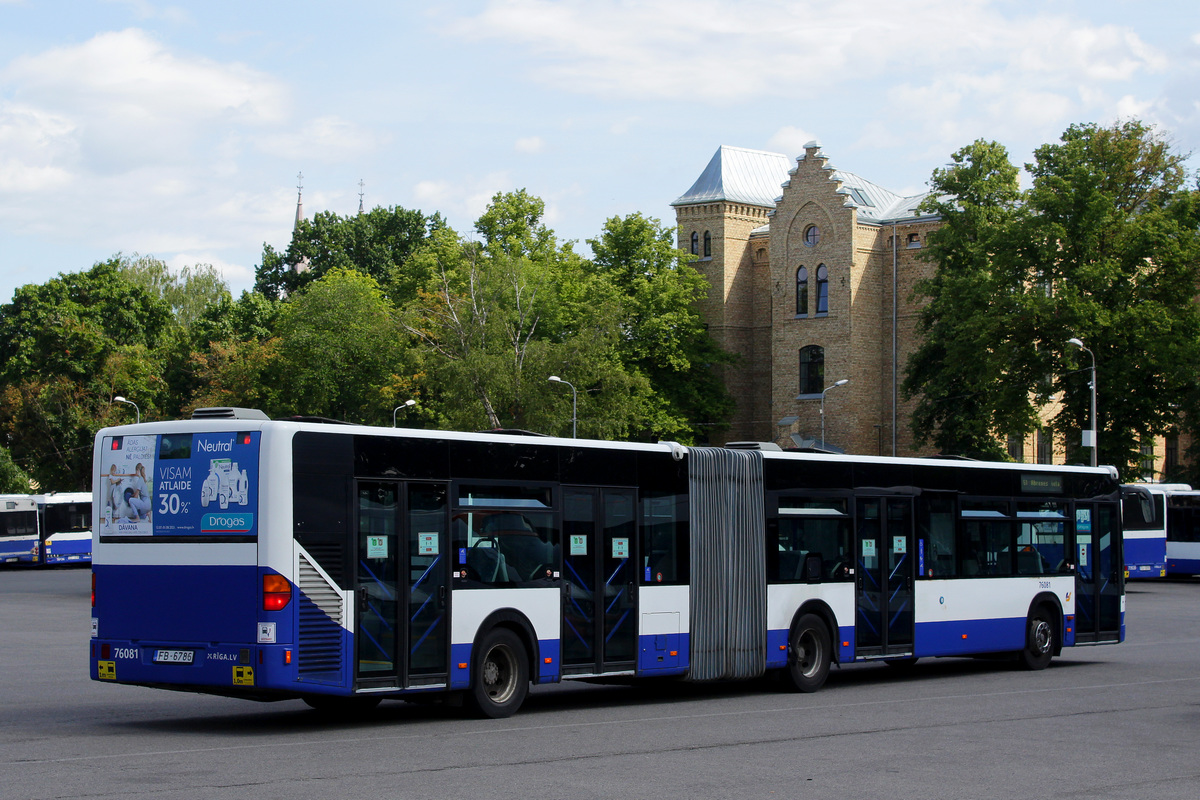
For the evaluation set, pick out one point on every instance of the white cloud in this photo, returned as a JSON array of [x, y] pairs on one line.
[[327, 139], [789, 140], [530, 145], [722, 50], [125, 101]]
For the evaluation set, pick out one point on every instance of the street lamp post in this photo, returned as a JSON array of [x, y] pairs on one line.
[[1090, 438], [842, 382], [574, 398], [130, 403], [406, 404]]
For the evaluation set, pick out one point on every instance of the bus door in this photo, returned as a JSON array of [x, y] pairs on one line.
[[884, 577], [402, 608], [1099, 569], [599, 581]]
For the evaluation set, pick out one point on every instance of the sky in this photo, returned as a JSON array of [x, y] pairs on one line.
[[178, 131]]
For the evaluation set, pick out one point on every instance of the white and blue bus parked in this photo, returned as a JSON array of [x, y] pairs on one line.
[[1183, 529], [1161, 529], [65, 527], [1144, 529], [18, 529], [344, 564]]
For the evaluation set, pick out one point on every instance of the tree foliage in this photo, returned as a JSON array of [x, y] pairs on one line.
[[1103, 247], [378, 243], [68, 346]]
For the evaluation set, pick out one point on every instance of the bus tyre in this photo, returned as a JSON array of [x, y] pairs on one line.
[[501, 678], [1039, 640], [809, 654]]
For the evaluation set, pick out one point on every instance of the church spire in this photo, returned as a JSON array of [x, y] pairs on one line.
[[299, 200], [360, 196]]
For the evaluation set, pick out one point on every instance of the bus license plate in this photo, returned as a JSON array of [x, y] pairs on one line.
[[173, 656]]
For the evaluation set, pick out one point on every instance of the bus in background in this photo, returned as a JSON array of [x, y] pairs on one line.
[[1144, 524], [65, 527], [18, 529], [1183, 530], [342, 564]]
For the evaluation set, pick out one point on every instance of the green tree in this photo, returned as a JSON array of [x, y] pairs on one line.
[[974, 332], [661, 335], [1123, 267], [66, 348], [1102, 247], [13, 479], [342, 352], [378, 243], [497, 317]]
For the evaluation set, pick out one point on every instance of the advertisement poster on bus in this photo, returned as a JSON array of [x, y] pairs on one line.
[[201, 485], [126, 497]]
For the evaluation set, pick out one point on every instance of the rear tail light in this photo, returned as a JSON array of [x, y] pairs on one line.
[[93, 590], [277, 592]]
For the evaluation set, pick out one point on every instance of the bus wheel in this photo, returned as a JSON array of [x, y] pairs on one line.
[[809, 654], [501, 678], [1039, 640]]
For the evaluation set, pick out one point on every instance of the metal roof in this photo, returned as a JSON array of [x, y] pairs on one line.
[[755, 177], [740, 176]]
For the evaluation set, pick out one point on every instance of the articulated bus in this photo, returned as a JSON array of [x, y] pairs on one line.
[[18, 529], [65, 527], [343, 565]]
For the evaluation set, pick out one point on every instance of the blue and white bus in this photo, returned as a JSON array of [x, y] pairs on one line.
[[343, 565], [18, 529], [1144, 528], [65, 527]]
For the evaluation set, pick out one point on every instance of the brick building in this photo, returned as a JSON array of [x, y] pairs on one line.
[[811, 273], [811, 270]]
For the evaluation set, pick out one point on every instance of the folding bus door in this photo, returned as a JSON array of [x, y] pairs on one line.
[[401, 579], [884, 617], [599, 630], [1099, 573]]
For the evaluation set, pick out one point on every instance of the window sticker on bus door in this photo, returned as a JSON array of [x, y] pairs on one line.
[[620, 548], [899, 545], [197, 484], [1083, 520], [427, 544]]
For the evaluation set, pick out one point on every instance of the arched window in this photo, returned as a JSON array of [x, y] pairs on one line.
[[707, 244], [812, 369], [695, 243], [822, 289], [802, 292]]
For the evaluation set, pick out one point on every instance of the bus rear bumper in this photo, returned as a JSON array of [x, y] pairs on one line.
[[232, 668]]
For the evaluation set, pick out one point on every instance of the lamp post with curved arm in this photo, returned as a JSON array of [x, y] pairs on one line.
[[842, 382], [405, 404], [1090, 438], [120, 399], [574, 398]]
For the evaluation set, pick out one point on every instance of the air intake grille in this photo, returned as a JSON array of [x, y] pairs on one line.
[[322, 619]]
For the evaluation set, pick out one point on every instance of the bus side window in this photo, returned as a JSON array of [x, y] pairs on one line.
[[665, 544]]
